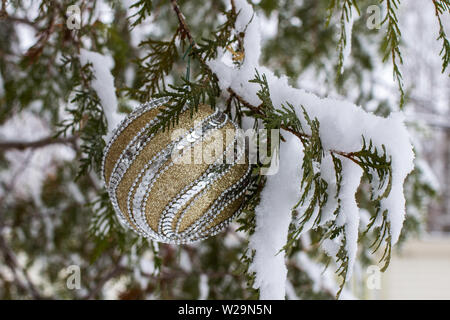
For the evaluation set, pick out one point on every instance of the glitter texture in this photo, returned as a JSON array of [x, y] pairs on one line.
[[160, 196]]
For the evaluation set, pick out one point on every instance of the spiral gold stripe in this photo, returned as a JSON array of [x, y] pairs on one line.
[[158, 142], [226, 213], [172, 181], [204, 202], [124, 138]]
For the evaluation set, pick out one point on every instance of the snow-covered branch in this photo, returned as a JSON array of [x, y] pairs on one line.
[[344, 127], [103, 84]]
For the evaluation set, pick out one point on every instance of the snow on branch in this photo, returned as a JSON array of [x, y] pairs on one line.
[[103, 84], [333, 144]]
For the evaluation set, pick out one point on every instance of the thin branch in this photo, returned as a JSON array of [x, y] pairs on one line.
[[233, 6], [182, 22], [22, 145], [5, 17], [35, 51], [257, 110]]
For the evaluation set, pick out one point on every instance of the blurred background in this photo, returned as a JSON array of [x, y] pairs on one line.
[[55, 220]]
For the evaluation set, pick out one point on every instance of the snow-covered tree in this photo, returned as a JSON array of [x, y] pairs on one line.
[[347, 189]]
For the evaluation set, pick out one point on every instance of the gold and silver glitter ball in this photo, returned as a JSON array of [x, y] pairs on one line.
[[156, 183]]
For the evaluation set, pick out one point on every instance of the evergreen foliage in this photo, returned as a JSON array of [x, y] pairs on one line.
[[57, 228]]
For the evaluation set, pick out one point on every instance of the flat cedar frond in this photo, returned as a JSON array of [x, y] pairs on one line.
[[222, 37], [263, 93], [187, 95], [104, 218], [346, 11], [145, 9], [384, 236], [87, 118], [157, 64], [391, 44]]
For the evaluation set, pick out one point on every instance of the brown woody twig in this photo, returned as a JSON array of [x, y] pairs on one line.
[[22, 145]]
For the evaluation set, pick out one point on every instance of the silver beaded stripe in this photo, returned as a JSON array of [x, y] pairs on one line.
[[155, 163], [206, 181], [186, 194], [126, 158], [154, 103], [128, 155], [238, 152], [208, 232], [153, 166], [198, 189], [125, 123], [200, 227], [176, 236], [151, 169], [138, 210], [189, 194], [211, 232], [134, 115]]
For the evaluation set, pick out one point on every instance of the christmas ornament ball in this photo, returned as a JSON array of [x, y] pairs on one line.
[[178, 185]]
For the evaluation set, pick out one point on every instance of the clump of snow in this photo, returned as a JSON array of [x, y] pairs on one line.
[[114, 287], [342, 125], [349, 214], [103, 84], [290, 291], [2, 88], [203, 287], [273, 216], [185, 261]]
